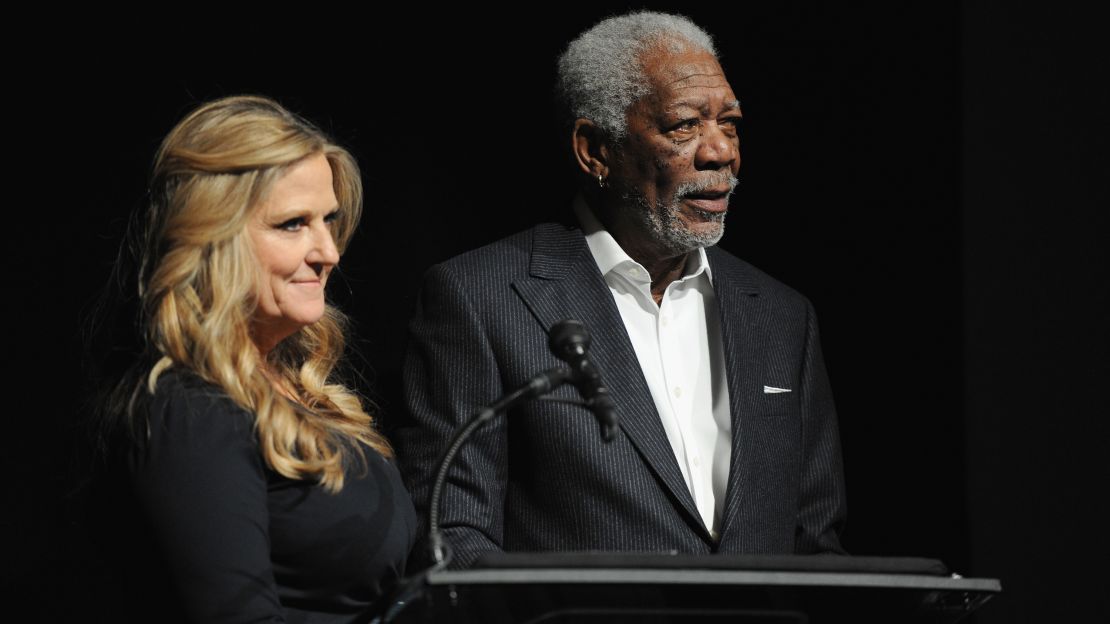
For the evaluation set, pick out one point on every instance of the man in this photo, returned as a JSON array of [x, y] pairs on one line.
[[728, 438]]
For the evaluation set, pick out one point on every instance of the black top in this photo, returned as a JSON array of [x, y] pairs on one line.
[[232, 540]]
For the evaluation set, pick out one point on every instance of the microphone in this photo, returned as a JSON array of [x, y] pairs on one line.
[[569, 340]]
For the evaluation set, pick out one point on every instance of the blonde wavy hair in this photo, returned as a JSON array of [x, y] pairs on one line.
[[198, 278]]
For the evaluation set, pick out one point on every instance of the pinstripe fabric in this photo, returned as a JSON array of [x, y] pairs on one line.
[[542, 479]]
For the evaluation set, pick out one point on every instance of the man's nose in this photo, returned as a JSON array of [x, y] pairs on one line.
[[718, 148]]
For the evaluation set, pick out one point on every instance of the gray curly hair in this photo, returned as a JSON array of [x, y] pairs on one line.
[[601, 75]]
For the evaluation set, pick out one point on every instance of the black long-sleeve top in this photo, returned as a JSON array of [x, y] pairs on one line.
[[233, 541]]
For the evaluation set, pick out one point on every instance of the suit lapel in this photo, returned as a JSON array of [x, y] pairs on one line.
[[565, 283], [744, 340]]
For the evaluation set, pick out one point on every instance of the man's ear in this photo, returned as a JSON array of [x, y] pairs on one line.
[[591, 152]]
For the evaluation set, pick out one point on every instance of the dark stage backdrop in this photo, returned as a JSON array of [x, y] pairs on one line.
[[850, 192], [1036, 307]]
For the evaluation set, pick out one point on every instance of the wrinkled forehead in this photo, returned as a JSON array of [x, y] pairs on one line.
[[667, 70], [694, 78]]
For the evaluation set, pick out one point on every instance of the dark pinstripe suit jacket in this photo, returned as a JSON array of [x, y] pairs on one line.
[[542, 479]]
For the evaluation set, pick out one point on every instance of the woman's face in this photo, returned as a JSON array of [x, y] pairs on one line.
[[291, 233]]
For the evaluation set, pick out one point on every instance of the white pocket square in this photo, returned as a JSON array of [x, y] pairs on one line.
[[774, 390]]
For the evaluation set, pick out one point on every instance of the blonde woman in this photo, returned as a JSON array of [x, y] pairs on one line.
[[261, 487]]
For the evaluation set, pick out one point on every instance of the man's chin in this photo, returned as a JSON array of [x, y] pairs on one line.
[[707, 230], [711, 238], [688, 237]]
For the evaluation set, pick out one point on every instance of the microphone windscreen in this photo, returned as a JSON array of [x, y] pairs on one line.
[[568, 338]]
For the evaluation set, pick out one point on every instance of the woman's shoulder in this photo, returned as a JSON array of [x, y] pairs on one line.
[[180, 384], [182, 402]]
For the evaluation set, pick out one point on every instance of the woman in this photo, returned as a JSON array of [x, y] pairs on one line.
[[263, 491]]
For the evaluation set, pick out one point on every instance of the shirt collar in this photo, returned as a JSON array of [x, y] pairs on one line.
[[608, 254]]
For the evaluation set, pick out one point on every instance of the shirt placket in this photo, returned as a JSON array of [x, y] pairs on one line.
[[680, 388]]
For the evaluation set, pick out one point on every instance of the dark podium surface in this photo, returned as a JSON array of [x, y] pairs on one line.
[[582, 588]]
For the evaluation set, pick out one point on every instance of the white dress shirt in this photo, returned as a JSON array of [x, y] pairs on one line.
[[678, 344]]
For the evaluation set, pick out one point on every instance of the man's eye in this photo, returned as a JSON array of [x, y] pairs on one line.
[[685, 126], [730, 124]]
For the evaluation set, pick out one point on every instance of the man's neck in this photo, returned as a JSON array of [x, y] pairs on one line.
[[663, 272], [663, 266]]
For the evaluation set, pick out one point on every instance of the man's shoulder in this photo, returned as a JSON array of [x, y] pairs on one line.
[[514, 254], [741, 274]]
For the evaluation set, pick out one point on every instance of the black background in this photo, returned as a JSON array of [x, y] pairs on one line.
[[932, 177]]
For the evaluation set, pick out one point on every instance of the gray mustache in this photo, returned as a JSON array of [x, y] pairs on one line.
[[712, 180]]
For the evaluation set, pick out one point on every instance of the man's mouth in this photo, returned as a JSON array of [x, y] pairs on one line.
[[713, 201], [709, 195]]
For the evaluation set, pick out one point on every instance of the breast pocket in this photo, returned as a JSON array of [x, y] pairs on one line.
[[775, 444]]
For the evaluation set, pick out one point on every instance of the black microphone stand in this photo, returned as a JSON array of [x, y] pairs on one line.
[[541, 384], [569, 342], [538, 386]]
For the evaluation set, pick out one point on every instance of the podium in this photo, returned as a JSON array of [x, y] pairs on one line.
[[612, 588]]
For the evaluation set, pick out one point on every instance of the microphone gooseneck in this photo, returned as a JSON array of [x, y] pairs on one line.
[[569, 340]]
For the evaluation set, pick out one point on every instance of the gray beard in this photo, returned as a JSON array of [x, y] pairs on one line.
[[662, 220]]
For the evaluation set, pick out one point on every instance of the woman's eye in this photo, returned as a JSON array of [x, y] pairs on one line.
[[292, 225], [331, 217]]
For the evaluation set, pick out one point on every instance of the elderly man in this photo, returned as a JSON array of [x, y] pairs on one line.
[[728, 438]]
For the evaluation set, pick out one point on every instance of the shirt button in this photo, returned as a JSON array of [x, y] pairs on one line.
[[697, 461], [678, 391], [664, 320]]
